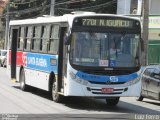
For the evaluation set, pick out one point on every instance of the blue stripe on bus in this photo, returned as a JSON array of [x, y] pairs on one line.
[[101, 78], [41, 62]]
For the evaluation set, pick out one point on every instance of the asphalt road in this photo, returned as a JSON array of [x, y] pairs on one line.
[[37, 102]]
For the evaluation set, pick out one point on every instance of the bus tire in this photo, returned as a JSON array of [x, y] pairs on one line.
[[23, 85], [55, 96], [112, 101]]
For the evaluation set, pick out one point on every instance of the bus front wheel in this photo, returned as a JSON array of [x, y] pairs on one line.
[[112, 101], [55, 96], [23, 85]]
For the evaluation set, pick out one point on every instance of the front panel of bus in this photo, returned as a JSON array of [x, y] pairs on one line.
[[104, 56]]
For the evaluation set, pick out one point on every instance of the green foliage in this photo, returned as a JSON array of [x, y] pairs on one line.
[[29, 8], [3, 20]]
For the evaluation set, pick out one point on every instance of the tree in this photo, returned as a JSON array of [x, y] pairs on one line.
[[23, 9]]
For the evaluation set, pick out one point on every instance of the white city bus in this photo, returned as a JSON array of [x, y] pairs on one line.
[[71, 55]]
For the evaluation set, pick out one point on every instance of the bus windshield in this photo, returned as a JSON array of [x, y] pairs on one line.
[[105, 49]]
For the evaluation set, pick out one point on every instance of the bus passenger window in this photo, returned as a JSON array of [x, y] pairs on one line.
[[44, 38], [36, 38], [33, 39], [28, 35], [25, 37], [54, 39], [42, 33], [19, 38], [22, 38]]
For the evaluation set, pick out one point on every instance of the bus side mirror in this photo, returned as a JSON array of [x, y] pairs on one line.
[[67, 39], [142, 44]]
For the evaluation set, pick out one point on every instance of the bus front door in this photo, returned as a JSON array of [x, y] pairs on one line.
[[62, 62], [14, 38]]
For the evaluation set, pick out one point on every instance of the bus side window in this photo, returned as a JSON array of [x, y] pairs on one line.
[[36, 38], [44, 38], [33, 39], [54, 39], [25, 38], [28, 35], [41, 40], [20, 39]]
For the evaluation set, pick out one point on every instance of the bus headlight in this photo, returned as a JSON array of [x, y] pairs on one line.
[[72, 75], [129, 83], [77, 79]]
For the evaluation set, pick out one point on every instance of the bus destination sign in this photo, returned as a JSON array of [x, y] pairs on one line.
[[107, 23]]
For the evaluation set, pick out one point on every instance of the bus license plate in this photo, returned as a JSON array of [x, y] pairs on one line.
[[107, 90]]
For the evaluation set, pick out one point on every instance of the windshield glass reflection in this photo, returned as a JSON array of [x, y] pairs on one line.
[[104, 49]]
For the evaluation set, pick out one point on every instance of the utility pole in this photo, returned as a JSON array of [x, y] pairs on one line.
[[52, 7], [7, 25], [145, 15]]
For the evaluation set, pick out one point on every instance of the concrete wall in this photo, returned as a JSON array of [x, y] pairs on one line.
[[155, 7], [124, 7]]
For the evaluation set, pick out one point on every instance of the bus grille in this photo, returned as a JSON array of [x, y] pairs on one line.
[[102, 72], [106, 83]]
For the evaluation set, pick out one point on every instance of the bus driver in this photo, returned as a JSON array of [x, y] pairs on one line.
[[113, 51]]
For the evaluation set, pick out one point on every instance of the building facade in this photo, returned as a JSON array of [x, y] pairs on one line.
[[135, 7], [128, 7]]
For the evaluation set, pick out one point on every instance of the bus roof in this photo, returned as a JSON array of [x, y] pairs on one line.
[[65, 18]]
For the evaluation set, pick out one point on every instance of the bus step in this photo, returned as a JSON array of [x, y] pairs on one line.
[[62, 90], [61, 93], [13, 80]]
